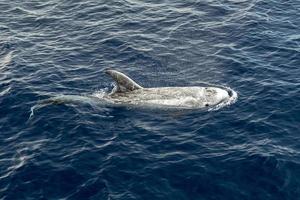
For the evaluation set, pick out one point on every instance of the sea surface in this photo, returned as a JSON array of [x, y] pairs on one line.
[[246, 150]]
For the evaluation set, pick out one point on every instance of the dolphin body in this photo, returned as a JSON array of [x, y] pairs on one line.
[[128, 92]]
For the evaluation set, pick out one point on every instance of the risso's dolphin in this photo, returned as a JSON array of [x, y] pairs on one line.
[[128, 93]]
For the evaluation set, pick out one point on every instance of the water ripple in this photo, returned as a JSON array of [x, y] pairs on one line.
[[246, 150]]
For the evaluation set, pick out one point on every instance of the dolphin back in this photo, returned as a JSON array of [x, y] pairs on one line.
[[124, 83]]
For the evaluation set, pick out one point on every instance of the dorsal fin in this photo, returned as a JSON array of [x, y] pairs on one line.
[[124, 83]]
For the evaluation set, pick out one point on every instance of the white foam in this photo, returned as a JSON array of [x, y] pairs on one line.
[[6, 60]]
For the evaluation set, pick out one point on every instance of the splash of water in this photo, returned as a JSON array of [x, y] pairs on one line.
[[6, 60]]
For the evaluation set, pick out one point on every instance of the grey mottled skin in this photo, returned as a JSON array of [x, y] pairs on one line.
[[124, 83], [130, 93]]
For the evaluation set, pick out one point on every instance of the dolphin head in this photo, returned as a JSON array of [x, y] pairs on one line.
[[222, 94], [215, 95]]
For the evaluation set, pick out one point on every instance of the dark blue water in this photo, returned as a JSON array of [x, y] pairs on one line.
[[248, 150]]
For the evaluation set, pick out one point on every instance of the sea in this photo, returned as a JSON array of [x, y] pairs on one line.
[[248, 150]]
